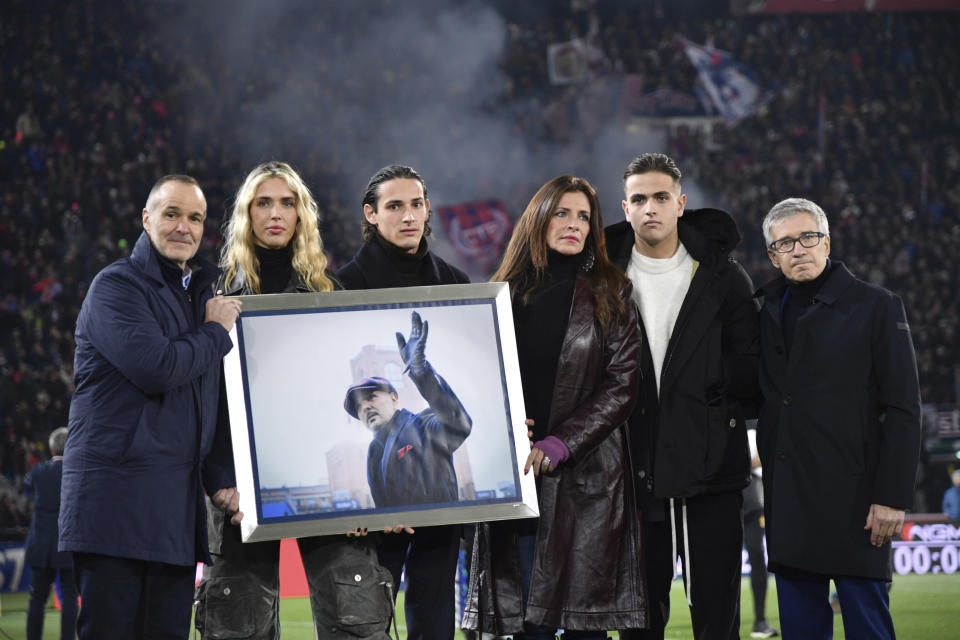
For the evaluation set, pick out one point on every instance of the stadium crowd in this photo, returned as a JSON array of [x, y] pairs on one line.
[[884, 159], [91, 114]]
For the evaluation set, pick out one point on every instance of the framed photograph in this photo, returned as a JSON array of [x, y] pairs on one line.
[[375, 408]]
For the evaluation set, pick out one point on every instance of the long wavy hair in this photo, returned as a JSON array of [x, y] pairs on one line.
[[238, 258], [525, 260]]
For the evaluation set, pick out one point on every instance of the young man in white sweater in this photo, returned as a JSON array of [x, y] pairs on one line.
[[699, 384]]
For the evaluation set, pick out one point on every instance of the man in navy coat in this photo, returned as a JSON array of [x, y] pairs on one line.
[[839, 431], [150, 337], [41, 556]]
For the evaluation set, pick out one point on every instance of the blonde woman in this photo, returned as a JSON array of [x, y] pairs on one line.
[[272, 239], [272, 245]]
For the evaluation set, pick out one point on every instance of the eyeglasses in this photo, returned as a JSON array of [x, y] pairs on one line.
[[808, 240]]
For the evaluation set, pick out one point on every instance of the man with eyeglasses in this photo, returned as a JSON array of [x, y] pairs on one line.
[[839, 431]]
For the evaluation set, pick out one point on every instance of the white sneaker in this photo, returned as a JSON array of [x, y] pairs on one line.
[[763, 629]]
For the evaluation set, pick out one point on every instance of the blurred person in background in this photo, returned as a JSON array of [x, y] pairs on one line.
[[951, 498], [753, 526], [45, 562], [273, 245], [578, 566]]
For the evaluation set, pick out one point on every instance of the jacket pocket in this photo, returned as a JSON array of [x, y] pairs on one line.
[[226, 609], [590, 474], [361, 599], [719, 428]]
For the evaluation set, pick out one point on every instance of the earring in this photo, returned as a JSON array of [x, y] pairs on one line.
[[588, 261]]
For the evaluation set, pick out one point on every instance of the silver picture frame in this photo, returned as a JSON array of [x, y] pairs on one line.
[[301, 459]]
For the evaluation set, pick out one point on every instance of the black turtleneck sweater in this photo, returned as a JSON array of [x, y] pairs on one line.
[[276, 266], [797, 300], [408, 265], [540, 324]]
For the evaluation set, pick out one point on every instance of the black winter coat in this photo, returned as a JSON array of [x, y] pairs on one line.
[[371, 268], [692, 439], [840, 425], [587, 564]]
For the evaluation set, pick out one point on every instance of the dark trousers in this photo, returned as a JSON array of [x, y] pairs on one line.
[[125, 599], [250, 574], [41, 580], [526, 547], [715, 532], [805, 610], [753, 541], [430, 557]]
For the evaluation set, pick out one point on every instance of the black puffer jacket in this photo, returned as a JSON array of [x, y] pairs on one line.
[[692, 440]]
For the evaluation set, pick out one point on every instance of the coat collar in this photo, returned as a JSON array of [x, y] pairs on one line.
[[146, 258], [708, 234], [838, 281], [401, 417], [582, 311], [376, 266], [237, 287]]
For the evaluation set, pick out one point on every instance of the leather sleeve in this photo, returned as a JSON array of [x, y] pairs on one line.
[[612, 400]]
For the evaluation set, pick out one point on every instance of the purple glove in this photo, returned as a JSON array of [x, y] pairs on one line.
[[553, 448]]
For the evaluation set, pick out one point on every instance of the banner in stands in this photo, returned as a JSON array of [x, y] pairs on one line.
[[733, 88], [567, 62], [478, 230]]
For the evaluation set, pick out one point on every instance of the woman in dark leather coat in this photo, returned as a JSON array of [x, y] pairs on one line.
[[272, 245], [577, 566]]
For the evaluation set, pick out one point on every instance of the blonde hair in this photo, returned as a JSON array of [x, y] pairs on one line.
[[238, 258]]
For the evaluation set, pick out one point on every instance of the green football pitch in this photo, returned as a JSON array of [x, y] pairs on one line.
[[924, 608]]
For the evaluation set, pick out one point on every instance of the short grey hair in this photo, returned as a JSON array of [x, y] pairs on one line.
[[173, 177], [791, 207], [58, 440]]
